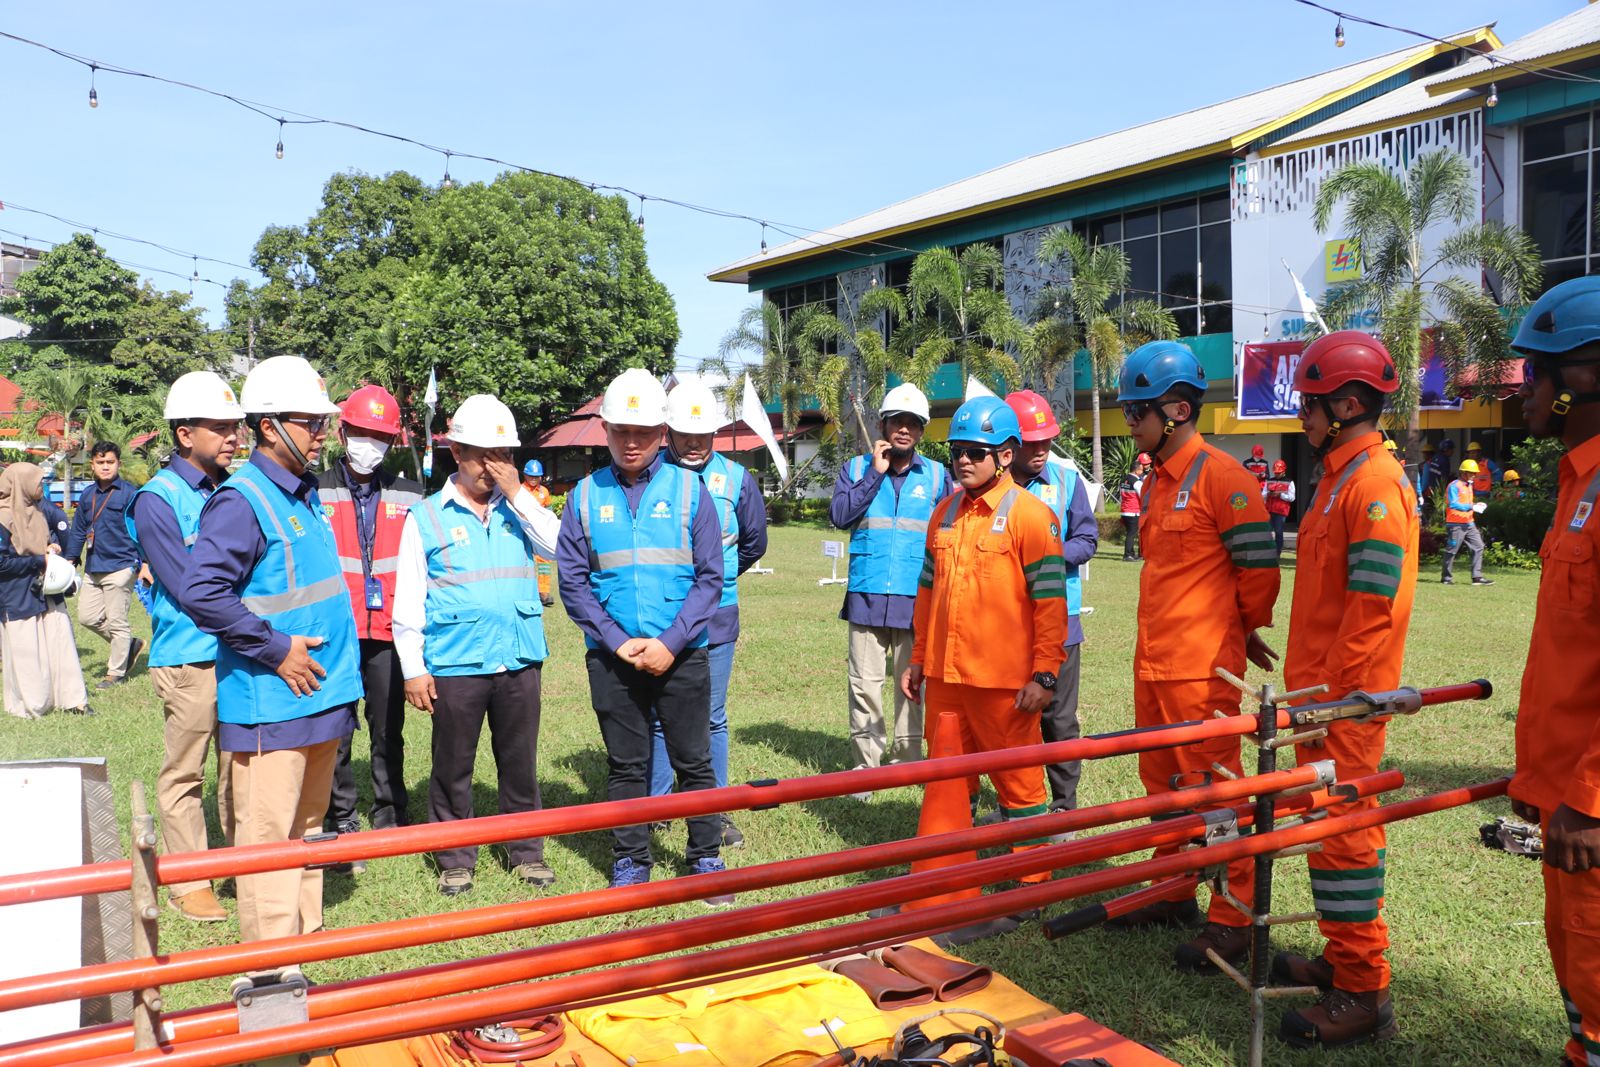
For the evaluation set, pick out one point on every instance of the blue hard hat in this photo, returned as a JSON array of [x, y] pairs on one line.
[[985, 420], [533, 468], [1566, 317], [1152, 369]]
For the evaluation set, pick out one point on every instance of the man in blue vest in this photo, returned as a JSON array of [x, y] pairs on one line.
[[1059, 486], [266, 582], [163, 520], [640, 566], [469, 631], [884, 499], [693, 417]]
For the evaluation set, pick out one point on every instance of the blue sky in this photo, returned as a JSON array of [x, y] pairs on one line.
[[806, 113]]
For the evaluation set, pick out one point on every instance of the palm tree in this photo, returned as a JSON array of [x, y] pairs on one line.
[[1088, 312], [828, 376], [784, 345], [65, 393], [960, 313], [1386, 215]]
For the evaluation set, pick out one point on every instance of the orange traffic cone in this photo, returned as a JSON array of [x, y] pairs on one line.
[[946, 806]]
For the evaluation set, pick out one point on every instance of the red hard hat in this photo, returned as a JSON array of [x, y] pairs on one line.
[[1345, 356], [1144, 458], [372, 407], [1280, 467], [1257, 451], [1038, 421]]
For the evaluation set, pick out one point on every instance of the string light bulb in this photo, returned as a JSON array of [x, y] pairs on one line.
[[640, 220], [447, 183], [763, 238], [279, 151], [1494, 95], [1338, 34], [94, 97]]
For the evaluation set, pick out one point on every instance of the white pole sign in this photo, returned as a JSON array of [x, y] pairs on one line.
[[833, 550]]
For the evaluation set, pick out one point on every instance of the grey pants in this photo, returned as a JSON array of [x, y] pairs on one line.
[[1059, 722], [1463, 533]]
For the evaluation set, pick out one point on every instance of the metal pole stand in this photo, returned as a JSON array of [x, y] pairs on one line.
[[1262, 920], [146, 917]]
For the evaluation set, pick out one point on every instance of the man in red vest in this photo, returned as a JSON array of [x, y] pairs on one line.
[[1257, 463], [367, 507], [1279, 493]]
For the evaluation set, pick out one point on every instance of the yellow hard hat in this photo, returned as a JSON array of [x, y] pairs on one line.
[[1390, 445], [1428, 447], [1468, 466], [1474, 446], [1511, 476]]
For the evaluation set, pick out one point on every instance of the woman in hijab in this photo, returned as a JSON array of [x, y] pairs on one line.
[[37, 646]]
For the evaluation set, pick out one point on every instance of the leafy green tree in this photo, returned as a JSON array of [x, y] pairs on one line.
[[77, 298], [1386, 215], [162, 337], [959, 313], [1089, 313]]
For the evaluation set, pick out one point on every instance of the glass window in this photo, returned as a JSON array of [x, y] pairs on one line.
[[1144, 272], [1558, 138], [1183, 215], [1179, 266], [1216, 318], [1216, 263], [1555, 206], [1175, 249], [1214, 208], [1139, 223], [1106, 231]]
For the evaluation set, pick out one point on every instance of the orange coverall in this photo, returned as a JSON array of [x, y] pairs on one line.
[[1210, 577], [991, 612], [545, 569], [1558, 733], [1355, 578]]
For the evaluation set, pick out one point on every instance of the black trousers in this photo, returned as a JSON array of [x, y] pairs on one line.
[[385, 707], [510, 700], [626, 700], [1130, 537], [1278, 524], [1059, 722]]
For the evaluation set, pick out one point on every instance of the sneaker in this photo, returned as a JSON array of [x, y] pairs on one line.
[[1291, 969], [711, 865], [199, 906], [1340, 1018], [1483, 581], [109, 682], [1447, 581], [535, 874], [626, 872], [1161, 913], [453, 881], [731, 837], [1232, 943]]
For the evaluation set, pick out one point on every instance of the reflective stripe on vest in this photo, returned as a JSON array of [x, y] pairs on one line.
[[1000, 513], [296, 588], [175, 639], [1344, 476], [724, 480], [339, 504], [888, 543], [641, 564], [482, 611], [1061, 505], [1181, 501]]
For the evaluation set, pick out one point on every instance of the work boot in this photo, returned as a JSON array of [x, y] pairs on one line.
[[1341, 1018], [453, 881], [1161, 913], [731, 837], [1289, 968], [200, 905], [535, 873], [1232, 943]]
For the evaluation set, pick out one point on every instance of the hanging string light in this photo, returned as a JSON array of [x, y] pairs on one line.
[[763, 238], [642, 199], [591, 206], [195, 276], [1338, 34], [279, 151], [447, 183], [1494, 95], [94, 97]]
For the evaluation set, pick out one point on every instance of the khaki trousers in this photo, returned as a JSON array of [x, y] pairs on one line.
[[189, 710], [280, 796], [870, 648], [103, 607], [41, 664]]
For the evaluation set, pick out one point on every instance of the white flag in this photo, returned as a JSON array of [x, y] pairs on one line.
[[753, 415], [431, 400], [431, 397], [1308, 306], [977, 388]]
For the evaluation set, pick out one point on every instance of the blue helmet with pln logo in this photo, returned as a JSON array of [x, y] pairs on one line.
[[533, 469], [1152, 369], [985, 420]]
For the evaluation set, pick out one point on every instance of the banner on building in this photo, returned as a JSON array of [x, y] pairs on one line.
[[1265, 380]]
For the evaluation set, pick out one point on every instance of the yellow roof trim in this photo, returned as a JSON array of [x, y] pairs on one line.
[[1495, 73], [1283, 148], [1475, 37]]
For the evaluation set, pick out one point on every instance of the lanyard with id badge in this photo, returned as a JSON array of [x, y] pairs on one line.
[[367, 533]]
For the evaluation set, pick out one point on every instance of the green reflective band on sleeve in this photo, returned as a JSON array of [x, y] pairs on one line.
[[1046, 578], [925, 579], [1251, 544], [1375, 566], [1044, 563], [1348, 895], [1023, 813]]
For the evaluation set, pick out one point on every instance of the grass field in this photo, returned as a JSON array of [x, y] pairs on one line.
[[1472, 982]]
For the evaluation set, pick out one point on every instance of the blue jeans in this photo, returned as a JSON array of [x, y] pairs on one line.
[[721, 660]]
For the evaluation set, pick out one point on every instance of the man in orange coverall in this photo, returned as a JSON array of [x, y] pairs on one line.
[[991, 609], [1557, 782], [1209, 582], [1354, 582]]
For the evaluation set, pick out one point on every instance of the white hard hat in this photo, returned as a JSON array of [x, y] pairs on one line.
[[58, 575], [484, 421], [634, 398], [201, 394], [285, 383], [905, 398], [693, 408]]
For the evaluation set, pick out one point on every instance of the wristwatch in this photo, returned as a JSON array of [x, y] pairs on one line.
[[1045, 680]]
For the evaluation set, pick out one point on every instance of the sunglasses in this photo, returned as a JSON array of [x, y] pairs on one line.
[[1135, 410], [1536, 367], [971, 453], [313, 425]]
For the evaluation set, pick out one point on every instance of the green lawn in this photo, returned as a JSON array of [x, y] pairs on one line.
[[1472, 981]]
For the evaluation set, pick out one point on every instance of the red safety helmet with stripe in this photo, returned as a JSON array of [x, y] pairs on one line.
[[1342, 357], [372, 407], [1034, 414]]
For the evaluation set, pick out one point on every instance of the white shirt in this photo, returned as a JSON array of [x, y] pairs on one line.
[[411, 566]]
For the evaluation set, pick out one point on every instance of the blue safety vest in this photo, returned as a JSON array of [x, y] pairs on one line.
[[641, 564], [297, 589], [887, 545], [483, 609], [1055, 486], [724, 480], [175, 639]]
